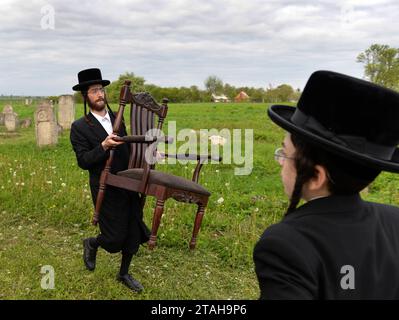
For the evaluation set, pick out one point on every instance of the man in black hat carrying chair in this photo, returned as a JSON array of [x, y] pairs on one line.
[[121, 226], [342, 134]]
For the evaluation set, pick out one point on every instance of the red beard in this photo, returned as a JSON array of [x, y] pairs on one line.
[[98, 105]]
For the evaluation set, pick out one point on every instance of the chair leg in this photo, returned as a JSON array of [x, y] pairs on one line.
[[197, 225], [155, 223]]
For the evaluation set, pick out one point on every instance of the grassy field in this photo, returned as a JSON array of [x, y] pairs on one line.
[[45, 211]]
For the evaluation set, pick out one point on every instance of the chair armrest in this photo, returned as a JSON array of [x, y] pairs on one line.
[[200, 158], [143, 139], [165, 139], [135, 139]]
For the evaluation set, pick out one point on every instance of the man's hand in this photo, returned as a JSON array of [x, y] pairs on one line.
[[109, 142]]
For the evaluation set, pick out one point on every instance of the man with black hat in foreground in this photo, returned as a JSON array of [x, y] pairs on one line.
[[342, 134], [120, 220]]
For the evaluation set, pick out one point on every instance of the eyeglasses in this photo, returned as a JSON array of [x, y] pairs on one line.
[[280, 156], [96, 90]]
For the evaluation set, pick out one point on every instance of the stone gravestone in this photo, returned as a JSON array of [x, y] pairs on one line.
[[10, 118], [45, 124], [66, 111], [8, 108]]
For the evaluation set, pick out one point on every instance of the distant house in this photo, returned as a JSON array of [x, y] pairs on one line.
[[241, 97], [221, 98]]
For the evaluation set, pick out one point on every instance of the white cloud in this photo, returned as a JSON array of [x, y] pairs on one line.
[[177, 43]]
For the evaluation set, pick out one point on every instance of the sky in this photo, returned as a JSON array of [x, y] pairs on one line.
[[44, 44]]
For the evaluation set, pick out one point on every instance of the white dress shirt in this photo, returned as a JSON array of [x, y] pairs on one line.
[[105, 122]]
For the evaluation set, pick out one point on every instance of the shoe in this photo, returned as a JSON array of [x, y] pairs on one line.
[[89, 255], [130, 282]]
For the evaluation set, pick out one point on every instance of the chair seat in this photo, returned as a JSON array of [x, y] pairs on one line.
[[165, 179]]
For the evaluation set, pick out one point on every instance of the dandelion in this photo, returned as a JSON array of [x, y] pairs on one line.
[[63, 185], [17, 183], [208, 273], [19, 227], [87, 197], [227, 184], [220, 200], [22, 183], [49, 182], [217, 171], [217, 140], [256, 209]]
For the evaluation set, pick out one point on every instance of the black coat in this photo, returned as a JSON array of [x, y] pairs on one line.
[[120, 218], [339, 247]]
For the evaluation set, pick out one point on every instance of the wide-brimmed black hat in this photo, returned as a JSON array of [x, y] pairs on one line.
[[350, 117], [88, 77]]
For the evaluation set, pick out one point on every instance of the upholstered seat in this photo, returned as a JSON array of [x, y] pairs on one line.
[[165, 179]]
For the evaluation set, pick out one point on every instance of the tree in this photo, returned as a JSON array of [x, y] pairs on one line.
[[283, 93], [381, 65], [113, 90], [214, 85]]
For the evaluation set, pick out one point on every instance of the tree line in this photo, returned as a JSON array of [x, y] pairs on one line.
[[381, 66], [213, 85]]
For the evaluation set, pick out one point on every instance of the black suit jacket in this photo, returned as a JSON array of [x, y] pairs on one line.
[[339, 247], [86, 142]]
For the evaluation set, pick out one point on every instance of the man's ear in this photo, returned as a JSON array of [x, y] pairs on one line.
[[320, 179]]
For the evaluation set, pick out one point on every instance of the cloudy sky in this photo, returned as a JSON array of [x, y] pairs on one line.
[[180, 42]]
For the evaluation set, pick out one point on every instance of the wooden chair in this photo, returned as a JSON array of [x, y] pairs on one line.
[[141, 176]]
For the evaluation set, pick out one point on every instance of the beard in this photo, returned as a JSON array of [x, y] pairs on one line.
[[97, 105]]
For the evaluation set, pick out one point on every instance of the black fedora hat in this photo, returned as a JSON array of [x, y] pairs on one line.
[[88, 77], [350, 117]]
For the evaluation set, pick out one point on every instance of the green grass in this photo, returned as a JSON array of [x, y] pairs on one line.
[[45, 211]]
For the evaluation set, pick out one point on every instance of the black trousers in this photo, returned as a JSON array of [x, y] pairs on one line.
[[121, 221]]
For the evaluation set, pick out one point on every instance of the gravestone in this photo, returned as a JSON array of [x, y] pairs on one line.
[[66, 111], [45, 125], [10, 118]]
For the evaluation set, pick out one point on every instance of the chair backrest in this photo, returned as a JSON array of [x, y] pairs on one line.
[[143, 113]]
